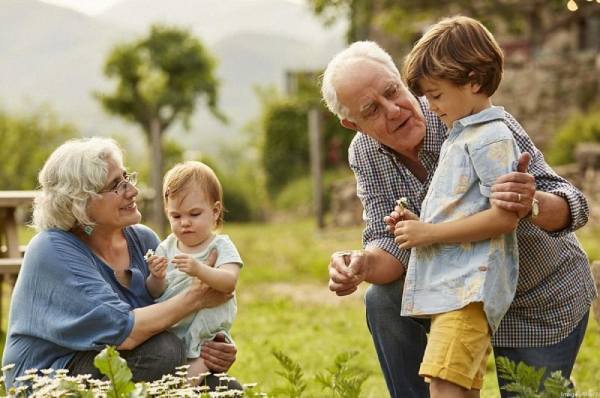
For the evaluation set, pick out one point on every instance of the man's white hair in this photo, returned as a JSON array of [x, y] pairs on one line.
[[71, 176], [359, 50]]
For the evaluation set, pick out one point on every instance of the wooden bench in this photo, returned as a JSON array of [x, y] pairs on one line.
[[9, 269]]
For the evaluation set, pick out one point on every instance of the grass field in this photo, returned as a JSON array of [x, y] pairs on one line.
[[284, 305]]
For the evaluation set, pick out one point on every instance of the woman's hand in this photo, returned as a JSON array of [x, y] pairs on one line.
[[218, 354], [158, 266]]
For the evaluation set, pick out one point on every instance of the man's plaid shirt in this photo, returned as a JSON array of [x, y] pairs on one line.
[[555, 287]]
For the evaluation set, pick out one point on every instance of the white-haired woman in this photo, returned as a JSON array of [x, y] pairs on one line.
[[82, 283]]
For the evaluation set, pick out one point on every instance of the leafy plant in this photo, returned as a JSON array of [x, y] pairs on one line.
[[342, 379], [525, 381], [57, 383], [110, 364], [293, 374], [578, 128]]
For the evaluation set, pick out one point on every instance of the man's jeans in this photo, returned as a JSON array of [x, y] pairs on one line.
[[400, 344]]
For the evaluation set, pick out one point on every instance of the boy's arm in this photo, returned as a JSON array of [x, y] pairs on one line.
[[484, 225]]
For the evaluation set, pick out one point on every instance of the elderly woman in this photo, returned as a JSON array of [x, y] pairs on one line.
[[81, 286]]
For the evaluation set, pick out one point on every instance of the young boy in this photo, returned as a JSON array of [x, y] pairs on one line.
[[464, 263]]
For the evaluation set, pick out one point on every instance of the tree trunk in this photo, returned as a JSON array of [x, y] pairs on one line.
[[156, 161]]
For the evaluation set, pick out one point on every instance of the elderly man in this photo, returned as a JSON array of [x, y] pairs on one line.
[[394, 154]]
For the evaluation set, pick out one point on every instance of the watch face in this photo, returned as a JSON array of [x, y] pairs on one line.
[[535, 208]]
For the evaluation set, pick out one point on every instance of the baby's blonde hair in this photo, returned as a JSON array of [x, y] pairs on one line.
[[180, 176]]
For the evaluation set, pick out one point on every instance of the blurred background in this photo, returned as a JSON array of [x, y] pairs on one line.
[[232, 83]]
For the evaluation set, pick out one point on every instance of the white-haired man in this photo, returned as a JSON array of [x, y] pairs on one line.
[[394, 154]]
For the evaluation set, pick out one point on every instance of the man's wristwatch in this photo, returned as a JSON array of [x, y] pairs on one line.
[[535, 209]]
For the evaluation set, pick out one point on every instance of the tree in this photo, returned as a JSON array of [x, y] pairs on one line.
[[398, 23], [160, 80], [21, 153]]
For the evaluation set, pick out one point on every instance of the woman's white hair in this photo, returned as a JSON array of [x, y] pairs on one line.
[[359, 50], [73, 174]]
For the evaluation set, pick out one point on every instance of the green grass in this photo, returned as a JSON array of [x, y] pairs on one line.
[[284, 304]]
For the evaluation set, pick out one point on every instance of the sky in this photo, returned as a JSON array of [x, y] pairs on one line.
[[90, 7], [95, 7]]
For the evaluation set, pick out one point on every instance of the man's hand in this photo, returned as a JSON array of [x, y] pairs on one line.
[[515, 191], [158, 266], [412, 233], [347, 270], [218, 354]]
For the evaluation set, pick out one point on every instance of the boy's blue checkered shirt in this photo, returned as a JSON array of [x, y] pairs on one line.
[[555, 286]]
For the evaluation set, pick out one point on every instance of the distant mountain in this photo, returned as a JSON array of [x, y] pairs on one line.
[[214, 20], [55, 55]]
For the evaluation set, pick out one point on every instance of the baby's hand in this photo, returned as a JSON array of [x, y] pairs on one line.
[[157, 266], [187, 264]]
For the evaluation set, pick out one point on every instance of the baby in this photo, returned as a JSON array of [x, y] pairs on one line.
[[194, 205]]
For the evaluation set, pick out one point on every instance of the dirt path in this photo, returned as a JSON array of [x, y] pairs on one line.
[[304, 293]]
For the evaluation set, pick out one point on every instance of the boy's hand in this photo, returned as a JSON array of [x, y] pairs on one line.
[[187, 264], [412, 233], [158, 266], [400, 213]]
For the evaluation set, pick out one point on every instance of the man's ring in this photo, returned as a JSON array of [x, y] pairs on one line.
[[518, 197]]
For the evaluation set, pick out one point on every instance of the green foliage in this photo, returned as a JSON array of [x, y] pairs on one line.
[[27, 141], [342, 379], [118, 384], [525, 381], [578, 128], [297, 196], [160, 78], [285, 151], [402, 22], [292, 373], [110, 364], [285, 144]]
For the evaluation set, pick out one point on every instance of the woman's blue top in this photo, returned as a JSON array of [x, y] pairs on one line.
[[67, 299]]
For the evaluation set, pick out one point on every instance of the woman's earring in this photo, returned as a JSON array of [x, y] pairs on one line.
[[88, 229]]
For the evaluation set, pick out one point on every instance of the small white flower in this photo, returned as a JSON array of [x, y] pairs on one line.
[[8, 367], [149, 254]]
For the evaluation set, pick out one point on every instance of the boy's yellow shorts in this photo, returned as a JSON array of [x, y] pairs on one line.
[[458, 346]]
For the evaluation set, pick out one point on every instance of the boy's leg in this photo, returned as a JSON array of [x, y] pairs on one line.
[[456, 353], [560, 356], [399, 341], [157, 356]]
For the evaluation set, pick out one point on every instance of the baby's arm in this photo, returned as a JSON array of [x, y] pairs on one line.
[[156, 282], [484, 225], [222, 279]]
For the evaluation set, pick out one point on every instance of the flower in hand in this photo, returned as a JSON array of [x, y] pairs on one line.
[[412, 233], [157, 266]]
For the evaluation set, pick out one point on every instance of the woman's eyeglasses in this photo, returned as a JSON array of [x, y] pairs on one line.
[[120, 187]]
